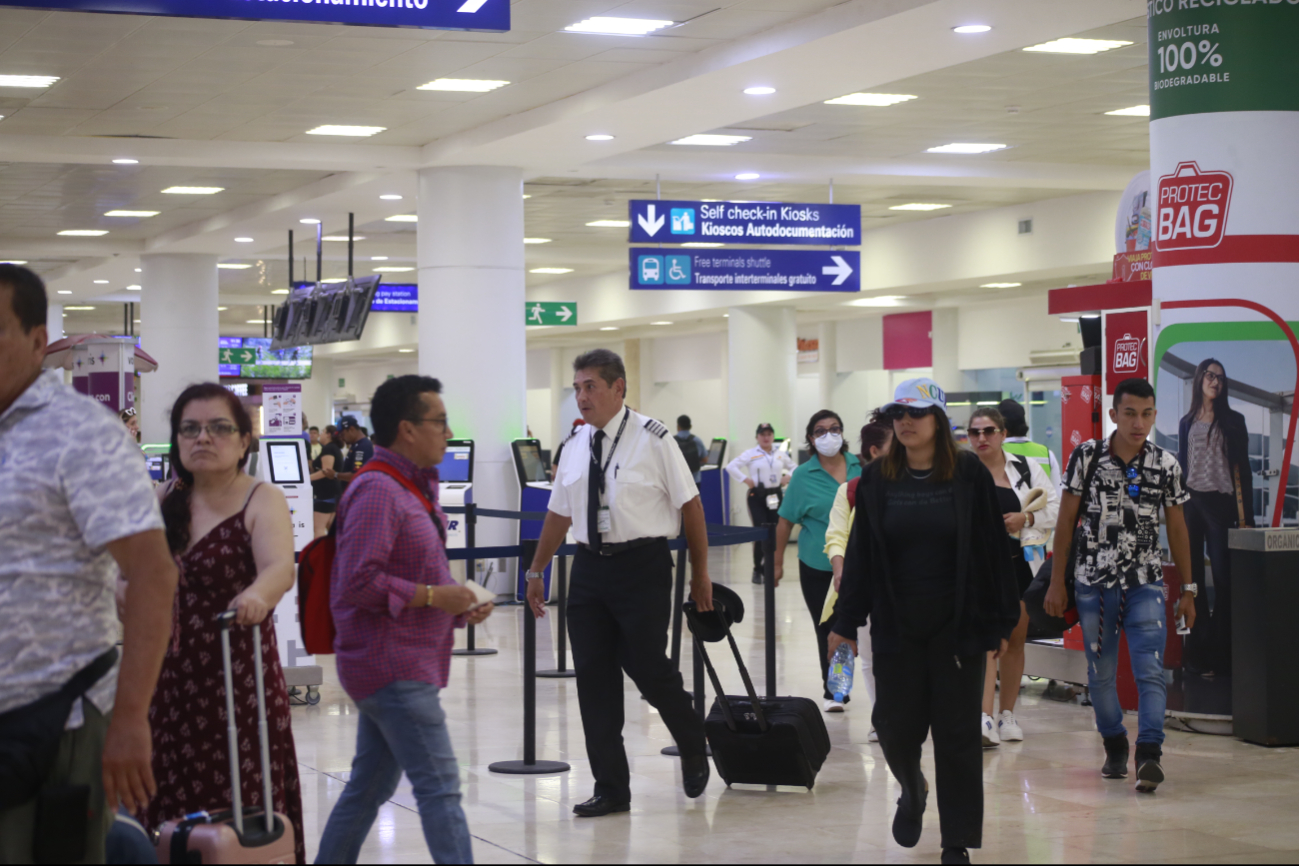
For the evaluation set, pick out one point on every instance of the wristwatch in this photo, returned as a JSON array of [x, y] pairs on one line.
[[1192, 588], [535, 575]]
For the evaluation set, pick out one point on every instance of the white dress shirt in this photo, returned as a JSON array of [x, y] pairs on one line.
[[766, 469], [646, 482]]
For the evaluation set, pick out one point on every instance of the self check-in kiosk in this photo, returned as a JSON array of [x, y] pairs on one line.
[[534, 496], [456, 489], [714, 491], [158, 459]]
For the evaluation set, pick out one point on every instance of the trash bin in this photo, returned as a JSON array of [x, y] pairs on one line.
[[1265, 604]]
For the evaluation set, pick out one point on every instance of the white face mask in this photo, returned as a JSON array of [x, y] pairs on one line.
[[829, 444]]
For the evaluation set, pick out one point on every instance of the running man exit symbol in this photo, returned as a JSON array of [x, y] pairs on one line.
[[540, 313]]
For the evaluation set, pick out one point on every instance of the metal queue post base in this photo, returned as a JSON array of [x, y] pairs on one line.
[[561, 605], [471, 521]]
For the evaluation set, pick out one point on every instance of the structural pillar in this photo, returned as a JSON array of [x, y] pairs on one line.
[[471, 325], [827, 351], [762, 373], [54, 322], [944, 338], [179, 327]]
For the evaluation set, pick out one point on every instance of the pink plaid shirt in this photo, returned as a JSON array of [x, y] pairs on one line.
[[388, 549]]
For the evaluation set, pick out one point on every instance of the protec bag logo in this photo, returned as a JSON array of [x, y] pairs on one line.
[[1193, 208], [1127, 354]]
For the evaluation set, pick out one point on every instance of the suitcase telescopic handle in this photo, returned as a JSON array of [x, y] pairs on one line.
[[226, 620], [692, 616]]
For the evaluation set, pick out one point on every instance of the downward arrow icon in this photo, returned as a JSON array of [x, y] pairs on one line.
[[564, 313], [840, 270], [650, 225]]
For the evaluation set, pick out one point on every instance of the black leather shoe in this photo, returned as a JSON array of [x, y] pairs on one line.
[[956, 856], [694, 775], [758, 576], [908, 823], [599, 806]]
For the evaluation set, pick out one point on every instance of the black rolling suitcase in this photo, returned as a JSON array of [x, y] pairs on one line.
[[762, 741]]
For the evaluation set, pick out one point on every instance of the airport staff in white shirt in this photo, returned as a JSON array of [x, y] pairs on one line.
[[765, 470], [624, 488]]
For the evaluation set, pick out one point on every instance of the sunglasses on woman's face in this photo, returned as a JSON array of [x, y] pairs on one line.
[[982, 432], [897, 413]]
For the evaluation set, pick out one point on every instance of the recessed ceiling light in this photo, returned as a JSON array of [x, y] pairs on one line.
[[610, 224], [405, 351], [83, 233], [1134, 111], [378, 258], [232, 266], [618, 26], [342, 238], [193, 190], [133, 288], [551, 271], [972, 28], [1070, 45], [279, 291], [759, 91], [139, 270], [402, 218], [880, 301], [392, 270], [526, 195], [105, 282], [243, 240], [69, 291], [709, 140], [610, 328], [352, 131], [536, 240], [748, 175], [78, 308], [256, 321], [599, 137], [140, 214], [310, 222], [222, 309], [1001, 285], [877, 100], [463, 85], [391, 197], [335, 280], [27, 80], [966, 147], [662, 323], [919, 206], [702, 245], [126, 162]]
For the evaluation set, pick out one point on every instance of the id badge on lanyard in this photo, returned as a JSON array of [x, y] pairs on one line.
[[604, 520]]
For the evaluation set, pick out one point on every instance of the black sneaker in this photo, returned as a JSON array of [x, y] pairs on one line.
[[758, 576], [908, 822], [1116, 758], [956, 856], [1149, 773]]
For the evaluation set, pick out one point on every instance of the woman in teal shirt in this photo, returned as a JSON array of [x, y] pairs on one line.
[[807, 502]]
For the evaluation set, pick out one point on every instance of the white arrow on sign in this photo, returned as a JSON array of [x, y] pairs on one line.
[[651, 225], [564, 313], [472, 6], [840, 270]]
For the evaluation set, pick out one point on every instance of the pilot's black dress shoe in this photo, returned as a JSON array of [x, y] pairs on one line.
[[694, 775], [599, 806]]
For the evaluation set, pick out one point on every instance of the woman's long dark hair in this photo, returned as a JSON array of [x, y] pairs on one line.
[[176, 507], [1220, 405], [946, 452], [875, 434], [821, 416]]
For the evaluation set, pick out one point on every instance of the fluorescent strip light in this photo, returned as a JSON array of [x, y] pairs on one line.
[[65, 309], [881, 301], [709, 140], [222, 309], [193, 190], [919, 206], [279, 291], [1134, 111], [230, 266], [878, 100], [966, 147], [390, 197], [256, 321], [971, 28], [662, 323], [748, 175], [134, 288], [551, 271], [405, 351], [66, 291], [83, 233], [342, 238], [126, 162], [392, 270], [19, 262], [27, 81], [243, 240], [536, 240], [402, 218], [105, 282], [609, 329], [1070, 45], [140, 214], [463, 85], [335, 280], [353, 131], [759, 91], [378, 258], [1001, 285], [618, 26], [610, 224], [310, 222], [599, 137]]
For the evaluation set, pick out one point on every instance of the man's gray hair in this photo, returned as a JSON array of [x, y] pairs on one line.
[[606, 363]]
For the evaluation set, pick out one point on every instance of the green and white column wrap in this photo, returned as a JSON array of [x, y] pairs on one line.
[[1224, 155]]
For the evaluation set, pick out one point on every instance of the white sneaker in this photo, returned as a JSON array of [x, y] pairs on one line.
[[833, 706], [1009, 729], [989, 730], [873, 736]]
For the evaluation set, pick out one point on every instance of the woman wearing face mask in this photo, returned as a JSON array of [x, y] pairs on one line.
[[808, 501], [929, 564], [1018, 480]]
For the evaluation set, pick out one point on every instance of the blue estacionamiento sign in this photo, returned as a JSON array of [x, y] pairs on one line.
[[396, 298], [491, 15], [725, 222], [746, 270]]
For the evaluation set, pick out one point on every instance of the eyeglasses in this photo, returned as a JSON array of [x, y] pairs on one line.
[[897, 413], [817, 434], [1134, 489], [441, 422], [215, 429], [983, 432], [1213, 378]]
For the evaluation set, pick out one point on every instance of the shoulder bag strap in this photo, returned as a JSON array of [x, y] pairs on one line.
[[1088, 478]]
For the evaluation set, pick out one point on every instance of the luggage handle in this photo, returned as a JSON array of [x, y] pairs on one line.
[[225, 620], [691, 615]]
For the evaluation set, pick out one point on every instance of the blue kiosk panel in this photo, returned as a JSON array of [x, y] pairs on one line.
[[534, 486], [714, 491]]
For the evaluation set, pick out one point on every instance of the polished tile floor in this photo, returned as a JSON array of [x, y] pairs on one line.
[[1225, 801]]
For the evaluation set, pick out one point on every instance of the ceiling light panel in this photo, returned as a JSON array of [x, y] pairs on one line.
[[391, 197], [27, 80], [14, 262], [759, 91], [599, 136], [610, 224], [551, 271], [537, 240], [1070, 45], [618, 26], [193, 190], [342, 238], [350, 131], [392, 269], [880, 301], [1001, 285], [402, 218], [83, 233], [921, 206], [463, 85], [972, 28], [140, 214], [1134, 111], [232, 266], [126, 162], [966, 147], [708, 140], [877, 100], [748, 175]]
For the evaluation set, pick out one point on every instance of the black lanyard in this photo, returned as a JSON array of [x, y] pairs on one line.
[[601, 470]]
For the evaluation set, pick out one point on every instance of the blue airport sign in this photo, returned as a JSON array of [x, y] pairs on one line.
[[492, 15], [746, 270], [396, 298], [725, 222]]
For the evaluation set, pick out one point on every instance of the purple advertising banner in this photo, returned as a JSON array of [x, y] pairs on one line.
[[106, 388]]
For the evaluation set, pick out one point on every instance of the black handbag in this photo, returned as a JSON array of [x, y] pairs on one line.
[[30, 734], [1041, 623]]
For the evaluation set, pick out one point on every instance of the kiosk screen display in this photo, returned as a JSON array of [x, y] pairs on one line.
[[531, 467], [457, 464], [716, 452], [282, 458]]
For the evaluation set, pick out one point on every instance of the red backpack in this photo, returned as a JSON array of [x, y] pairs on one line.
[[315, 564]]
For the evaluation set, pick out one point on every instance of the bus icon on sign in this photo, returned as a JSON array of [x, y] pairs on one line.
[[651, 270]]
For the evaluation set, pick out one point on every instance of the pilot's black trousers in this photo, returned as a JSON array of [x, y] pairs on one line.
[[619, 611]]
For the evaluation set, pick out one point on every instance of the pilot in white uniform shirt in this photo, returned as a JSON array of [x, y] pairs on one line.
[[766, 470]]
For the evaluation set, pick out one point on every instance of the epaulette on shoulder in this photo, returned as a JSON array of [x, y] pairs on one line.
[[656, 428]]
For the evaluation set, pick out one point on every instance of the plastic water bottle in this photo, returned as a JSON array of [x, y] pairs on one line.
[[841, 669]]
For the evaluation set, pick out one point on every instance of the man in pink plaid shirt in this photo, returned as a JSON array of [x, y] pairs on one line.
[[395, 607]]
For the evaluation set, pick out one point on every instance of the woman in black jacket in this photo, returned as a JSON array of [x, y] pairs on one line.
[[929, 563], [1213, 448]]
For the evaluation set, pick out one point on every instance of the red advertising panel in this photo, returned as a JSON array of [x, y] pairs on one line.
[[908, 340], [1080, 412], [1127, 348]]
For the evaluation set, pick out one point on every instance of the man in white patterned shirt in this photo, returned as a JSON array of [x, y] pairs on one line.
[[76, 504]]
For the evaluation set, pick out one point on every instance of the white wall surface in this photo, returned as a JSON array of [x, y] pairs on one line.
[[1003, 334]]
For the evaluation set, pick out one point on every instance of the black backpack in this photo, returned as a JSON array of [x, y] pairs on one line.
[[690, 451]]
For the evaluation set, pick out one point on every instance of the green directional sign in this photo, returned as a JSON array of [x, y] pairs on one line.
[[550, 313], [237, 356]]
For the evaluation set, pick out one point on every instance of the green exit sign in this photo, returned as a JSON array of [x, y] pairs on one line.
[[237, 356], [550, 313]]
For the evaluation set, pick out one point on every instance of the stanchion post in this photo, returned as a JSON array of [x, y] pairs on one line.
[[769, 593], [529, 766], [561, 607], [678, 600], [471, 524]]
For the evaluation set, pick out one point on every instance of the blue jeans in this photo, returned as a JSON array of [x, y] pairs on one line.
[[1143, 623], [402, 727]]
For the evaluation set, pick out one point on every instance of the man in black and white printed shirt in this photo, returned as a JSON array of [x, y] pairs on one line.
[[1117, 486]]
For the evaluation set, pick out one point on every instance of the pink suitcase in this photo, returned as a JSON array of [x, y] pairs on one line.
[[233, 835]]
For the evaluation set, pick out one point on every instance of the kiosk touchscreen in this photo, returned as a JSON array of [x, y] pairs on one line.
[[714, 491], [716, 453], [534, 496], [456, 489], [158, 459], [283, 463]]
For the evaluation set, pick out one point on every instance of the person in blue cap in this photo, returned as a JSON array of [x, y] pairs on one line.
[[929, 563]]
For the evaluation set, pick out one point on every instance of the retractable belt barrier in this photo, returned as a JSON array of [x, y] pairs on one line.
[[718, 536]]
